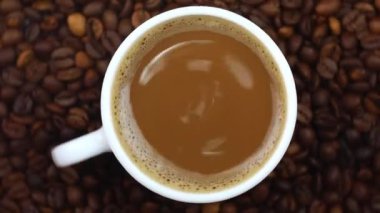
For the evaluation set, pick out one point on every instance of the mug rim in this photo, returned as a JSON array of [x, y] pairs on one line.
[[165, 190]]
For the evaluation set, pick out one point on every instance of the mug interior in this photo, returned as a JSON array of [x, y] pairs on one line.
[[164, 190]]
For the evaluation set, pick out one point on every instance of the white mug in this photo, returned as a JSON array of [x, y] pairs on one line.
[[105, 139]]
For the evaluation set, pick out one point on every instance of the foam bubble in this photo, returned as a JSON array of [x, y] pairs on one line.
[[140, 151]]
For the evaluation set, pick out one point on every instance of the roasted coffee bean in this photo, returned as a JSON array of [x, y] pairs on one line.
[[110, 19], [74, 86], [364, 7], [354, 21], [93, 8], [291, 4], [326, 7], [304, 114], [12, 76], [364, 153], [358, 74], [66, 5], [13, 178], [365, 175], [295, 43], [55, 108], [375, 203], [211, 208], [321, 97], [102, 65], [259, 18], [91, 94], [139, 17], [13, 130], [91, 78], [77, 118], [317, 206], [306, 136], [52, 84], [335, 25], [32, 32], [184, 2], [125, 27], [43, 48], [252, 2], [74, 195], [56, 197], [61, 64], [69, 175], [43, 6], [374, 137], [95, 28], [110, 41], [49, 23], [372, 62], [69, 74], [9, 5], [360, 191], [291, 17], [333, 176], [308, 54], [349, 41], [3, 110], [93, 201], [77, 24], [5, 167], [374, 25], [23, 104], [73, 42], [331, 50], [8, 205], [65, 98], [364, 122], [11, 37], [62, 52], [7, 55], [303, 194], [8, 93], [351, 101], [260, 193], [94, 49], [82, 60], [35, 71], [327, 68], [304, 70], [24, 58], [370, 41], [18, 190], [350, 63], [328, 151], [319, 32], [14, 19]]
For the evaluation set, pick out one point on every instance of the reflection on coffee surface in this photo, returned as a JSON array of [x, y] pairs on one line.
[[202, 100]]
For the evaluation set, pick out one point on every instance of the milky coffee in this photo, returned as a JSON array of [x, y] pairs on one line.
[[198, 104]]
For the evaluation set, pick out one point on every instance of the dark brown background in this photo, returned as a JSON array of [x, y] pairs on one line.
[[53, 55]]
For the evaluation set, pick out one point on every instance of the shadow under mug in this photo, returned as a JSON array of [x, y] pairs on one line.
[[105, 139]]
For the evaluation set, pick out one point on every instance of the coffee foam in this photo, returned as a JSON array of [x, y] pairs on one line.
[[142, 153]]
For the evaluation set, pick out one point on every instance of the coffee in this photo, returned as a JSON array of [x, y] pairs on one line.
[[202, 100], [195, 104]]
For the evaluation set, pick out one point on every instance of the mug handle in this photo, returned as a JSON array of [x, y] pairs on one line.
[[80, 149]]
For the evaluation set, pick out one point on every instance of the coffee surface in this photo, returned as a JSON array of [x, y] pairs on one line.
[[202, 100]]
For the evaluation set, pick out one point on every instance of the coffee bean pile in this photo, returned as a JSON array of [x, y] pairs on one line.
[[53, 56]]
